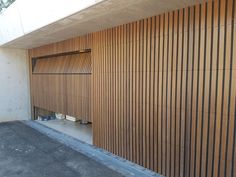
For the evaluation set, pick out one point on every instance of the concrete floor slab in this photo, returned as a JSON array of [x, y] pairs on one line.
[[82, 132]]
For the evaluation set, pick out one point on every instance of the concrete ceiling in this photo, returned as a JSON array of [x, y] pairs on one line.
[[108, 13]]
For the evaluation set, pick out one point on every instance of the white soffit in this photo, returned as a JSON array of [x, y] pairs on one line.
[[26, 16], [105, 14]]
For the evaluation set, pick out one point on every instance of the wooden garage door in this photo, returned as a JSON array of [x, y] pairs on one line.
[[62, 84]]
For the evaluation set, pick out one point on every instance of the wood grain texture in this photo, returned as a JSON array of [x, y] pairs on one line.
[[67, 64], [63, 84], [163, 90]]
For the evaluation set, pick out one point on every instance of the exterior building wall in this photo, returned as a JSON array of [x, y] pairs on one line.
[[163, 89]]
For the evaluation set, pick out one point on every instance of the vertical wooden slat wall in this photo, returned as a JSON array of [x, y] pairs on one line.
[[164, 90], [63, 84], [68, 94]]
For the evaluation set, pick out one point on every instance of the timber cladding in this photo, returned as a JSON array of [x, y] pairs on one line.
[[63, 84], [163, 89]]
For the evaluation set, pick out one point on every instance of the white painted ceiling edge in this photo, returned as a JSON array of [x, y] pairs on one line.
[[47, 23], [26, 16]]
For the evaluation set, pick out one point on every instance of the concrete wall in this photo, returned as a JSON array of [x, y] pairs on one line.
[[14, 85]]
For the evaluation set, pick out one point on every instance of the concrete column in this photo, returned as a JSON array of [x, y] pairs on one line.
[[14, 85]]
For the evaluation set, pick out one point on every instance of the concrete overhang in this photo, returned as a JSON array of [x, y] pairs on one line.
[[94, 16]]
